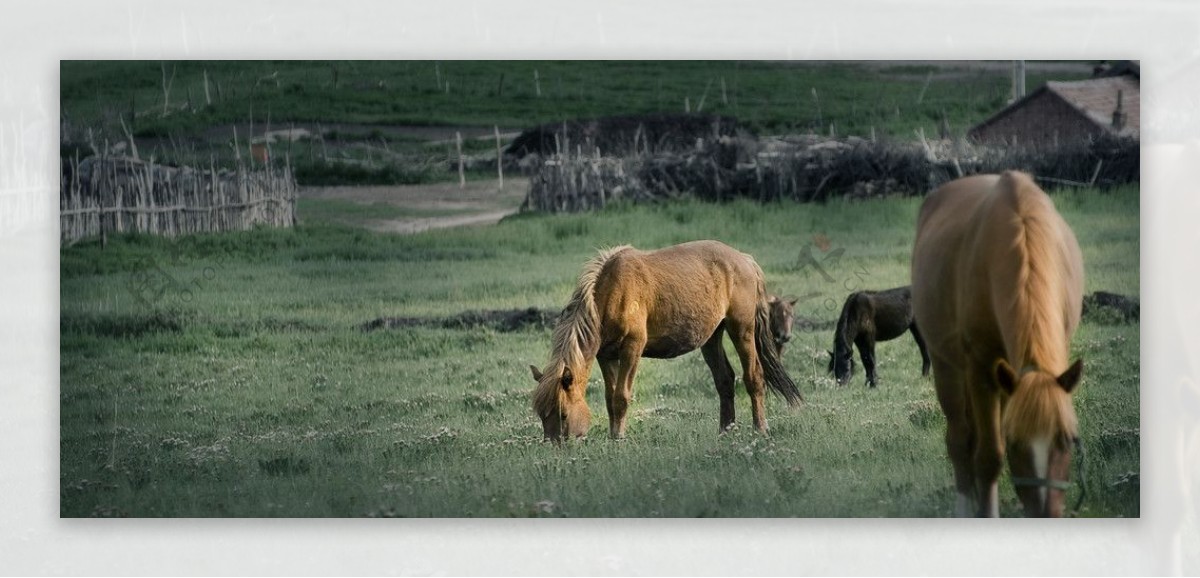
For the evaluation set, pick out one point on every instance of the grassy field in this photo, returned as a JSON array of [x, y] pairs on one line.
[[767, 96], [242, 387]]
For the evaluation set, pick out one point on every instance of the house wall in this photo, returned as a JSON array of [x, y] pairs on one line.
[[1040, 120]]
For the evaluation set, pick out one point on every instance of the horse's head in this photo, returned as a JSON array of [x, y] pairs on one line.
[[841, 364], [1040, 430], [560, 399], [782, 315]]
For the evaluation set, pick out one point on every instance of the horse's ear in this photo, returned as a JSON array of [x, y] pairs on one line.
[[792, 302], [537, 375], [1070, 378], [1006, 378], [772, 299], [567, 378]]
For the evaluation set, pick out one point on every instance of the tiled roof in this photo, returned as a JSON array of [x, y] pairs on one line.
[[1097, 99]]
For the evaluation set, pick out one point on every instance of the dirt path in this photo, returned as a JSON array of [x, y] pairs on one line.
[[478, 203], [409, 226]]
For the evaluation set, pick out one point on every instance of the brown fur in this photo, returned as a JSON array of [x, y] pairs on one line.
[[631, 304], [997, 292], [783, 314]]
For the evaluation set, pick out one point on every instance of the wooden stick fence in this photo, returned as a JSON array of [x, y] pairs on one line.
[[102, 195]]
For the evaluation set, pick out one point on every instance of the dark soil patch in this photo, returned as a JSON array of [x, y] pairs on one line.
[[1105, 307], [505, 320]]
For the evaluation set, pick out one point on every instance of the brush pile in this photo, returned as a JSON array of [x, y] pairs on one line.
[[810, 168]]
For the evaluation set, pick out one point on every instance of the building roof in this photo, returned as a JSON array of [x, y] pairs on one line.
[[1095, 99]]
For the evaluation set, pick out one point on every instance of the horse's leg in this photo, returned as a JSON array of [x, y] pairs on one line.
[[718, 363], [608, 368], [629, 355], [916, 333], [989, 446], [959, 435], [866, 350], [741, 332]]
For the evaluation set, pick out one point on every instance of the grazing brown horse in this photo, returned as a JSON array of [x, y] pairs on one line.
[[631, 304], [782, 315], [997, 291], [868, 317]]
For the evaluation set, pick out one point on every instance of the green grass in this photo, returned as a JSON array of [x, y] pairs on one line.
[[246, 390], [768, 96]]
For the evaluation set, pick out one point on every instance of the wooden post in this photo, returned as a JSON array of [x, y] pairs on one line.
[[1095, 173], [817, 101], [133, 151], [207, 96], [462, 176], [928, 79], [537, 84], [166, 86], [237, 151], [566, 144], [724, 95], [250, 138], [704, 96], [499, 158]]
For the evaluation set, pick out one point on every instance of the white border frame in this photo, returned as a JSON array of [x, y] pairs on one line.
[[33, 38]]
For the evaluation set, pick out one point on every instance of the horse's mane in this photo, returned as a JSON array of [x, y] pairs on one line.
[[1039, 407], [1038, 338], [576, 333], [1036, 308]]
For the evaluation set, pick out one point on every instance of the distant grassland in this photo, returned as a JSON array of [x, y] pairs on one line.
[[771, 97], [245, 389]]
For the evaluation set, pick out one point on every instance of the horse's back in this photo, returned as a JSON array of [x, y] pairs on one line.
[[966, 265], [681, 269], [678, 295], [893, 312]]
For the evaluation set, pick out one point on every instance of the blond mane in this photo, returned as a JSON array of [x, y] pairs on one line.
[[576, 333], [1039, 407], [1037, 307]]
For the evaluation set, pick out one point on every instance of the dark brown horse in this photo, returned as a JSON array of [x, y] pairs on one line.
[[998, 290], [630, 304], [869, 317]]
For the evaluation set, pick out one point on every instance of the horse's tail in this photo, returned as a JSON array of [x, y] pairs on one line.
[[768, 354]]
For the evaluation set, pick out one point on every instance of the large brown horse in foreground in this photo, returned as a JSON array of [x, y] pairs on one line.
[[997, 288], [631, 304]]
